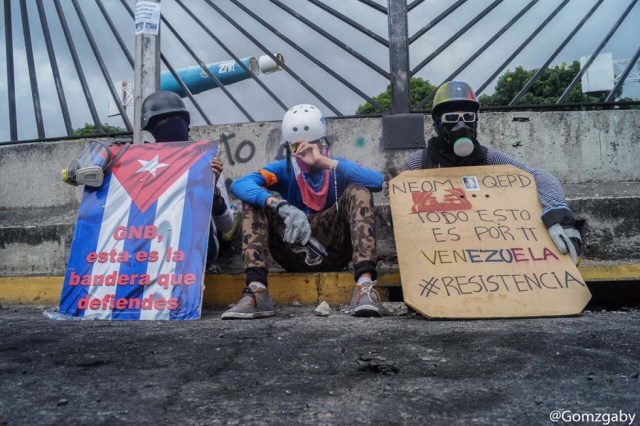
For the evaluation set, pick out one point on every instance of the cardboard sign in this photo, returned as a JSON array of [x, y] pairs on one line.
[[471, 244], [140, 242]]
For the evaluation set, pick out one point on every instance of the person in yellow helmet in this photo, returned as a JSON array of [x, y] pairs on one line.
[[455, 121]]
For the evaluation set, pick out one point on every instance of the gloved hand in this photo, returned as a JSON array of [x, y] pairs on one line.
[[297, 228], [219, 206], [560, 224]]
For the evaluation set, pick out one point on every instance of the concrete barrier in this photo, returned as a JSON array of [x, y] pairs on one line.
[[593, 153]]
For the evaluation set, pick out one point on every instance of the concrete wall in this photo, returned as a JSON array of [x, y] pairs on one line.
[[595, 154], [30, 175], [577, 147]]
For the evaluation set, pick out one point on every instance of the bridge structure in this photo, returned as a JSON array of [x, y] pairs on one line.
[[337, 55]]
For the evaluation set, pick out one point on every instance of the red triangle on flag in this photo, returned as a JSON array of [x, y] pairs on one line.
[[147, 171]]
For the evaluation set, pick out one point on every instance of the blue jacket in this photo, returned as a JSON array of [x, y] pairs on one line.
[[252, 188]]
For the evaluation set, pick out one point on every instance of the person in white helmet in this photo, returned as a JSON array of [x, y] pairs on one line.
[[321, 203]]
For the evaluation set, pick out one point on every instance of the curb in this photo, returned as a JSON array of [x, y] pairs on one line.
[[285, 288], [220, 289]]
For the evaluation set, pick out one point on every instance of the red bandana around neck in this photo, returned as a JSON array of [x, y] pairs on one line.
[[315, 200]]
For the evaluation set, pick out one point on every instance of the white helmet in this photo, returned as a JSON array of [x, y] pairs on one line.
[[303, 122]]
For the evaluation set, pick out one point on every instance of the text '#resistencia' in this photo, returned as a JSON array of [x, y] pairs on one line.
[[465, 285]]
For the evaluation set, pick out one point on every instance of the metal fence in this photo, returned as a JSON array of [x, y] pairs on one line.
[[62, 57]]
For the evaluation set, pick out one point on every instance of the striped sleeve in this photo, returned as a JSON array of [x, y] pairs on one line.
[[412, 162], [550, 191]]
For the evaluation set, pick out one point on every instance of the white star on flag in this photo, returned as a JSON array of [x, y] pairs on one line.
[[151, 166]]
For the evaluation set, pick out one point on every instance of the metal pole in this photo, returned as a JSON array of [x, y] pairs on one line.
[[114, 31], [435, 21], [233, 56], [594, 55], [35, 93], [374, 5], [612, 94], [480, 51], [457, 35], [11, 85], [146, 76], [54, 68], [364, 30], [544, 66], [101, 64], [166, 62], [522, 46], [399, 57], [331, 38], [400, 129], [268, 52], [78, 66]]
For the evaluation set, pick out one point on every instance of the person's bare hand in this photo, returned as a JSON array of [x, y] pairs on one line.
[[216, 165], [309, 153]]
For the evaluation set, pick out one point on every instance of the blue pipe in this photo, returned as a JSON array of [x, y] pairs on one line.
[[228, 72]]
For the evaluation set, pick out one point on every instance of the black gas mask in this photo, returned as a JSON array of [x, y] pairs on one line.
[[174, 129], [457, 144], [460, 136]]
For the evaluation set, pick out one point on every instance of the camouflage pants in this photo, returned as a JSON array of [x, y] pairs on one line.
[[347, 234]]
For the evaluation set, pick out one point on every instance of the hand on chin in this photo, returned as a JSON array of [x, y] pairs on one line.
[[310, 155]]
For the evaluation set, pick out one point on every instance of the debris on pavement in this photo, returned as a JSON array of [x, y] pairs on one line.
[[323, 309], [395, 308], [376, 364]]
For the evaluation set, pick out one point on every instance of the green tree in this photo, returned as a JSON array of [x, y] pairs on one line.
[[546, 89], [420, 89], [90, 130]]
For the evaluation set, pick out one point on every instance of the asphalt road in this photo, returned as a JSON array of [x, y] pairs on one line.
[[297, 368]]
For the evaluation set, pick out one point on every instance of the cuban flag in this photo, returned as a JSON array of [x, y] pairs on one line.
[[140, 242]]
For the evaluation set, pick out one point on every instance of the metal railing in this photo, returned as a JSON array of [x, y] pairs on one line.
[[350, 51]]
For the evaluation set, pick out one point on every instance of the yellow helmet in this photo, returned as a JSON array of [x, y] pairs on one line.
[[454, 95]]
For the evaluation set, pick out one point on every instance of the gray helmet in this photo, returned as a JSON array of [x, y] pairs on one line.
[[162, 103]]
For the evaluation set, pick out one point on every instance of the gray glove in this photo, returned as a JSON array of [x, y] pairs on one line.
[[560, 224], [563, 237], [297, 228]]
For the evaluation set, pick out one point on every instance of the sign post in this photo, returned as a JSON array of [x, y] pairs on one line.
[[147, 59]]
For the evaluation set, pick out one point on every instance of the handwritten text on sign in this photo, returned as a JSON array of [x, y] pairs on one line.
[[471, 244]]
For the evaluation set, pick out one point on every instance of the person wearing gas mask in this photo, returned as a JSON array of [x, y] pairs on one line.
[[455, 120], [166, 117], [322, 218]]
